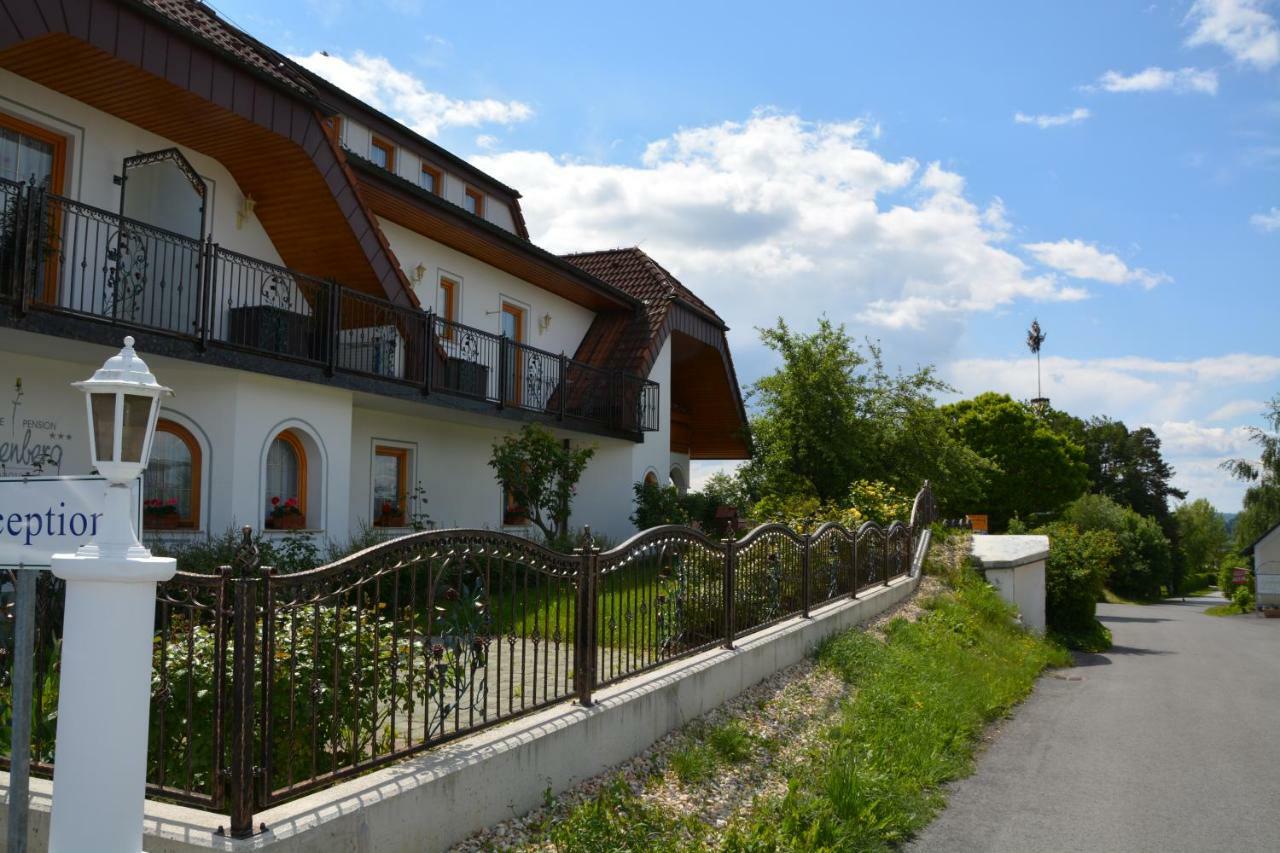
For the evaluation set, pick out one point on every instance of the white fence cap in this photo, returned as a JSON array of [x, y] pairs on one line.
[[1006, 552]]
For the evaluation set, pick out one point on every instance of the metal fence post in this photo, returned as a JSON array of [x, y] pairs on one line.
[[806, 574], [243, 622], [584, 667], [888, 558], [207, 252], [853, 570], [242, 710], [428, 368], [730, 568], [21, 693], [502, 370], [335, 328], [564, 386]]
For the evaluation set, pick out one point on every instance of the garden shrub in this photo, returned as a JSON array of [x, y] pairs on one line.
[[1075, 574], [1243, 599], [867, 501]]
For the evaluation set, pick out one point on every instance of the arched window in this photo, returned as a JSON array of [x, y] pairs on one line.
[[171, 487], [650, 479], [286, 483], [677, 480]]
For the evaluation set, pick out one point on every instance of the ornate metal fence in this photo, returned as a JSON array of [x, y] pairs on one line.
[[267, 686]]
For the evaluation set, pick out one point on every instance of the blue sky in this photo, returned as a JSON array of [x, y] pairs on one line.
[[934, 175]]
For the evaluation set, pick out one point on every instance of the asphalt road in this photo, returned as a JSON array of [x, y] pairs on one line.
[[1168, 742]]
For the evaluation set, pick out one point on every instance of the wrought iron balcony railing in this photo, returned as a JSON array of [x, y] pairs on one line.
[[58, 255]]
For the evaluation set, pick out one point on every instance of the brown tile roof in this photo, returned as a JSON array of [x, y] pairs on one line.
[[625, 341], [641, 276], [204, 23]]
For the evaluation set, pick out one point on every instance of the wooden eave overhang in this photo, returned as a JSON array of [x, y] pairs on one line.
[[430, 215], [704, 384], [126, 59]]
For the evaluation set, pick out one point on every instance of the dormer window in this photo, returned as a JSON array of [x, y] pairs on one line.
[[382, 153], [475, 202], [430, 179]]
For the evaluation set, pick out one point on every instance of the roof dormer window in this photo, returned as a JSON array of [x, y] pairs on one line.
[[430, 179], [475, 202], [382, 153]]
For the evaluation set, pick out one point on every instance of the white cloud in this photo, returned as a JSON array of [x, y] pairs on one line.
[[1269, 221], [776, 215], [406, 98], [1190, 438], [1180, 81], [1240, 27], [1045, 121], [1236, 410], [486, 142], [1079, 259]]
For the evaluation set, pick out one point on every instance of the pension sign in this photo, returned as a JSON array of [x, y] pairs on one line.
[[43, 516]]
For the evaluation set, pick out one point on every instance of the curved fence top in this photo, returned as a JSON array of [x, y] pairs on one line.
[[478, 542]]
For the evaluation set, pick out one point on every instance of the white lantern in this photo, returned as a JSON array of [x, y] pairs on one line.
[[123, 403]]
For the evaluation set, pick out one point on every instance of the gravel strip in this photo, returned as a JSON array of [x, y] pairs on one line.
[[785, 715]]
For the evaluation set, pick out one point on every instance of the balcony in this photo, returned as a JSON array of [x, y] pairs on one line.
[[60, 257]]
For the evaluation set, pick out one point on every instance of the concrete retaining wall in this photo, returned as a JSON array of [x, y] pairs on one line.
[[450, 792]]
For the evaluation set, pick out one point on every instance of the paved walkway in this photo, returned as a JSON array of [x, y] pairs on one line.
[[1168, 742]]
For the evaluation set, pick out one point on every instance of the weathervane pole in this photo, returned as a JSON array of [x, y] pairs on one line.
[[1035, 339]]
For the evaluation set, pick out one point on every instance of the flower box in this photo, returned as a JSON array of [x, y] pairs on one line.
[[286, 522], [161, 521]]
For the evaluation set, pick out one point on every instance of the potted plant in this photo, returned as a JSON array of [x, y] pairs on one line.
[[160, 514], [285, 515], [390, 514]]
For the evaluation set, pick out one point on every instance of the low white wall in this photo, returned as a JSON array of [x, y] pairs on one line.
[[1015, 566], [452, 791]]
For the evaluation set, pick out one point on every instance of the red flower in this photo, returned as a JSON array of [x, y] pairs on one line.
[[291, 502], [173, 501], [275, 502]]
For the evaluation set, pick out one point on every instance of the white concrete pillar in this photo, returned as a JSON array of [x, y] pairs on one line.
[[104, 697]]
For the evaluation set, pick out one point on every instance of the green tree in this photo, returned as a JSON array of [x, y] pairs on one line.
[[1261, 510], [541, 474], [832, 414], [1129, 467], [1038, 470], [1202, 535], [1144, 562]]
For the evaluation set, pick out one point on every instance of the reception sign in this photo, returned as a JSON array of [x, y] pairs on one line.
[[43, 516]]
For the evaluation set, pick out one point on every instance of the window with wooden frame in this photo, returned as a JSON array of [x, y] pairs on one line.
[[513, 331], [475, 201], [447, 304], [286, 477], [430, 179], [513, 514], [390, 486], [28, 151], [336, 123], [171, 485], [382, 153]]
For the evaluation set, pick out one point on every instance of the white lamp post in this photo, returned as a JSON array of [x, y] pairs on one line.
[[104, 695]]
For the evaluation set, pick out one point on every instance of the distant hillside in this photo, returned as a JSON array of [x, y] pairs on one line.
[[1229, 519]]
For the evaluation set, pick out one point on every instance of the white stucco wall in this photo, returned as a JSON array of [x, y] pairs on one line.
[[233, 415], [1015, 566], [484, 288], [1266, 568], [98, 142]]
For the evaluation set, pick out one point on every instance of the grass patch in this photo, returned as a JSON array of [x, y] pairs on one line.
[[1096, 639], [922, 699], [617, 820], [1228, 609], [706, 749], [1112, 598]]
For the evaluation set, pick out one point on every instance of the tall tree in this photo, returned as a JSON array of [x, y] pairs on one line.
[[1039, 470], [1202, 535], [832, 414], [1261, 510], [1129, 467]]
